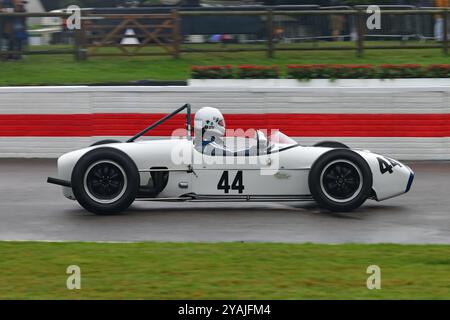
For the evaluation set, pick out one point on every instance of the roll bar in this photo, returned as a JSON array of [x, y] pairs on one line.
[[187, 106]]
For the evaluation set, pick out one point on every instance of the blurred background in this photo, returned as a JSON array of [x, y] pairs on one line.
[[206, 32]]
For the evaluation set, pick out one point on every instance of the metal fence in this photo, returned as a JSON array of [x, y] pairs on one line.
[[267, 29], [298, 30]]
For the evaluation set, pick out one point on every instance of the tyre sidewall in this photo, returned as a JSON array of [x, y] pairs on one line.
[[131, 172], [315, 183]]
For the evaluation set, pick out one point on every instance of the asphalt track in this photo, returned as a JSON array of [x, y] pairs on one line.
[[31, 209]]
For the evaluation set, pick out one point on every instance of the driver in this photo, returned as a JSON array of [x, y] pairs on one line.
[[209, 126]]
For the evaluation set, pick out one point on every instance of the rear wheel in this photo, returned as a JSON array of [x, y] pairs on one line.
[[105, 181], [340, 180], [156, 184]]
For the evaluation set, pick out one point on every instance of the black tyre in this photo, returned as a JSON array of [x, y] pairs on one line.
[[340, 180], [156, 184], [105, 181], [101, 142], [331, 144]]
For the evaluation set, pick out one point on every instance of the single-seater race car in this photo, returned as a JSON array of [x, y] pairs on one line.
[[109, 176]]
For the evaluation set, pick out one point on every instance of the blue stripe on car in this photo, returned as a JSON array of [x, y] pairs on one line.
[[410, 180]]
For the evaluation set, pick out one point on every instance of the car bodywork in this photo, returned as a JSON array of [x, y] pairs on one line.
[[191, 180]]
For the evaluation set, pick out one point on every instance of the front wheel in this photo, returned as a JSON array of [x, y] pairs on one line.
[[105, 181], [340, 180]]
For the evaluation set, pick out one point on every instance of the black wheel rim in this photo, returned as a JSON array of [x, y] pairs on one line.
[[105, 181], [341, 181]]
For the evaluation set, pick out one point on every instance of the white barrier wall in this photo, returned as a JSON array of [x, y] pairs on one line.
[[402, 122]]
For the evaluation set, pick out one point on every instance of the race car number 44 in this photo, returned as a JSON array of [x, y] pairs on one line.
[[226, 309]]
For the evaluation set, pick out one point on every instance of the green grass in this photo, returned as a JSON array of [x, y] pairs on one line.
[[62, 69], [30, 270]]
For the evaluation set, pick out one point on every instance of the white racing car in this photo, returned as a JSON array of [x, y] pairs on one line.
[[109, 176]]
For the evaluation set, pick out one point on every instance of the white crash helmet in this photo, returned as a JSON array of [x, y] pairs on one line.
[[209, 124]]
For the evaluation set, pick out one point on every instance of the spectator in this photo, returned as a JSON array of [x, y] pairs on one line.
[[1, 29], [18, 32], [6, 6], [225, 39], [439, 23], [337, 22]]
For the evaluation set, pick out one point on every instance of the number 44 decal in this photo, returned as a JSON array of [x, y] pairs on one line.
[[236, 185], [387, 166]]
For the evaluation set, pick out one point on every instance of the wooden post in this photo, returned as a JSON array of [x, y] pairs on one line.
[[77, 45], [80, 38], [360, 30], [176, 33], [269, 26], [445, 33]]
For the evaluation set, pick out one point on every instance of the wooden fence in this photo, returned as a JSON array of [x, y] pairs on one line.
[[160, 30]]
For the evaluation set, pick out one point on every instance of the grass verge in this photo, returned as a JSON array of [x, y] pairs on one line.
[[30, 270], [63, 69]]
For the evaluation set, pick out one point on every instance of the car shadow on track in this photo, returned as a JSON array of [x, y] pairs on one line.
[[360, 213], [309, 209]]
